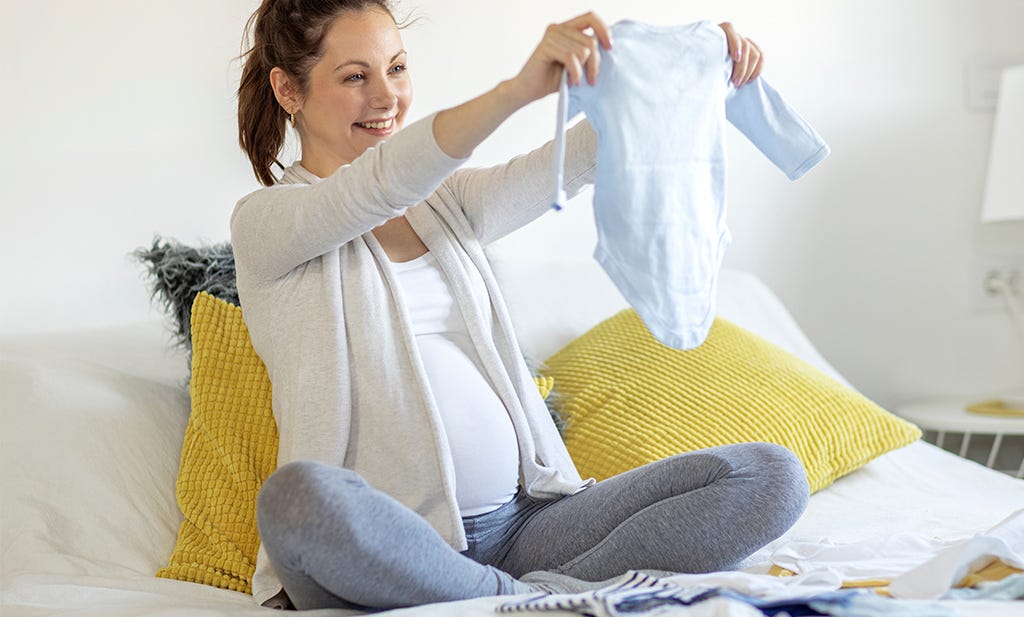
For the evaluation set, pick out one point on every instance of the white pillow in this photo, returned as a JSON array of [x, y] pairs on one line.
[[93, 428]]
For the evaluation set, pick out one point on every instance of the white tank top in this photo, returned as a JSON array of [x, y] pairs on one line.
[[481, 438]]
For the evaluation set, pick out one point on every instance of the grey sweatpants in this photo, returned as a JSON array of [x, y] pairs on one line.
[[335, 541]]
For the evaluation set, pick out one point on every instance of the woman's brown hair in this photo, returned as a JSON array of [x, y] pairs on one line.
[[288, 34]]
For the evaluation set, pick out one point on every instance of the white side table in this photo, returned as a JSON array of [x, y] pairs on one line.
[[951, 416]]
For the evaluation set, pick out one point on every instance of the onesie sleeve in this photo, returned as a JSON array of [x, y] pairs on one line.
[[276, 229], [774, 127], [498, 200]]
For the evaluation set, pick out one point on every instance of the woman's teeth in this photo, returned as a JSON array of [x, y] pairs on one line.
[[376, 125]]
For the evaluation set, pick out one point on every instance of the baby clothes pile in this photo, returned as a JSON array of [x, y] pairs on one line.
[[899, 576]]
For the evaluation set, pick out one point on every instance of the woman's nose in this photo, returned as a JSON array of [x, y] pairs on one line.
[[384, 95]]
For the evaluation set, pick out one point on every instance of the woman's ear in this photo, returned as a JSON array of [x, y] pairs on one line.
[[285, 90]]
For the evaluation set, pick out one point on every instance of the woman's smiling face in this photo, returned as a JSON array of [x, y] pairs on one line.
[[359, 91]]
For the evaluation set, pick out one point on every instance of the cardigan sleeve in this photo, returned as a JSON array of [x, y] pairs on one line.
[[498, 200], [276, 229]]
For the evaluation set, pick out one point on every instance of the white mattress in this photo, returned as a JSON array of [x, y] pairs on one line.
[[93, 424]]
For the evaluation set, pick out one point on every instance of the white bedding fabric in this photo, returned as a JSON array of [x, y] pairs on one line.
[[93, 425]]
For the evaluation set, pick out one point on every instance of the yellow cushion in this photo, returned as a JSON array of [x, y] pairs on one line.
[[230, 449], [544, 384], [628, 400]]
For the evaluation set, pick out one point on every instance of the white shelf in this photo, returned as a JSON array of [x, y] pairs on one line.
[[951, 416]]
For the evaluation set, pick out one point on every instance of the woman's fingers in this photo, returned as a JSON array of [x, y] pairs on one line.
[[574, 68], [759, 64], [591, 55], [572, 46], [747, 58], [733, 39], [588, 52], [736, 52], [751, 64], [595, 23], [593, 63], [579, 49]]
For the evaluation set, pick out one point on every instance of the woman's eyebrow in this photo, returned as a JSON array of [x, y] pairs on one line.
[[365, 64]]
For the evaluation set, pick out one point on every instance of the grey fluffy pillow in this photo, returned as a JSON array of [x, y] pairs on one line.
[[177, 273]]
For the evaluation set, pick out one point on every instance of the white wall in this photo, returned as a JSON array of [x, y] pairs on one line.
[[120, 125]]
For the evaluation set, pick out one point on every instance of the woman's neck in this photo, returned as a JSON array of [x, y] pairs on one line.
[[319, 161]]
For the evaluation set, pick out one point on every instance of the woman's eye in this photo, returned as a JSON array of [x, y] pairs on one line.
[[356, 77], [398, 68]]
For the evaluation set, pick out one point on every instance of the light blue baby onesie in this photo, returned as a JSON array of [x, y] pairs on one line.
[[659, 108]]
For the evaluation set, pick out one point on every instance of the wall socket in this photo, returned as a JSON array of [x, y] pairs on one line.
[[986, 268]]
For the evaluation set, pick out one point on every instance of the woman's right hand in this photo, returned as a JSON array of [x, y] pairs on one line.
[[566, 45]]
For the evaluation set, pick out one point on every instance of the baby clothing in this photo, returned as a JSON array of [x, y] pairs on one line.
[[659, 107], [919, 566]]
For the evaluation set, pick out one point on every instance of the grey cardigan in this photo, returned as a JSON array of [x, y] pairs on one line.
[[320, 300]]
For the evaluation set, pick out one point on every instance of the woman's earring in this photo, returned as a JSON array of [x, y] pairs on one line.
[[293, 118]]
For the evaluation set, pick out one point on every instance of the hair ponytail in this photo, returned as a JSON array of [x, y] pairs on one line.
[[261, 124], [288, 34]]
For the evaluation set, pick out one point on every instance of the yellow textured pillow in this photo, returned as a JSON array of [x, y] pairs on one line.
[[230, 449], [628, 400], [544, 384]]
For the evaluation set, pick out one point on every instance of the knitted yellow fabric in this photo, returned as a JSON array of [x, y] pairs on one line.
[[230, 448], [544, 384], [628, 400]]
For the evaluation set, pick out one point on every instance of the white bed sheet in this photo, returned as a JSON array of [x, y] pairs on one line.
[[93, 424], [941, 494]]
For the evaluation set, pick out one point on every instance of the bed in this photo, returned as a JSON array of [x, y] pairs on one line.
[[94, 420]]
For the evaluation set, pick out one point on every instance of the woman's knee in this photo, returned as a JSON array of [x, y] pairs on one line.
[[787, 470], [785, 489], [771, 479], [294, 492]]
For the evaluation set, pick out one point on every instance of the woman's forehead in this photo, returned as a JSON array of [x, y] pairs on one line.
[[366, 36]]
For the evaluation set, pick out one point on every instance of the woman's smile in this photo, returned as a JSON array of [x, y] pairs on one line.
[[377, 128]]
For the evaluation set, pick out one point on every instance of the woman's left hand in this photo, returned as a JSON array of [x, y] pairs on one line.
[[747, 57]]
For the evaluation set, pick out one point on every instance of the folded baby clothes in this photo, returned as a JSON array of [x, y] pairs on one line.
[[659, 107], [637, 594], [915, 565], [932, 579], [872, 559]]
